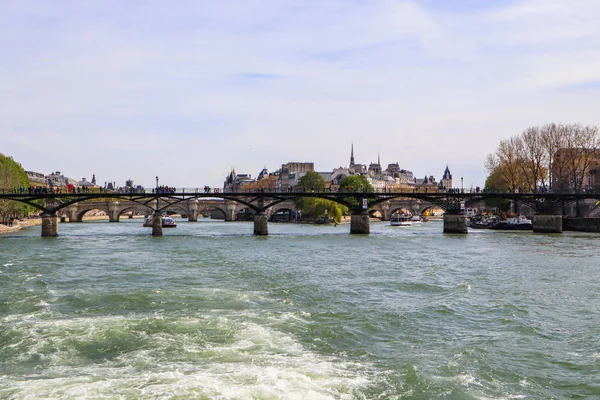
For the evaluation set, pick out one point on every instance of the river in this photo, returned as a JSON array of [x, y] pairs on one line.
[[209, 311]]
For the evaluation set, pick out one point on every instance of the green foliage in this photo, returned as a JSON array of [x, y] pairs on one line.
[[12, 177], [495, 184], [315, 207], [356, 183], [312, 181], [12, 174]]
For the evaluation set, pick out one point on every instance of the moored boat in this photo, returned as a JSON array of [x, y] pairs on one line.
[[483, 222], [167, 222], [520, 223]]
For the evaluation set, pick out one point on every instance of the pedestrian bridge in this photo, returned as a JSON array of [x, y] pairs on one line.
[[549, 206]]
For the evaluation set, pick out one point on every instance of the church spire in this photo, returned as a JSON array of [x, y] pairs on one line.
[[378, 159], [352, 155]]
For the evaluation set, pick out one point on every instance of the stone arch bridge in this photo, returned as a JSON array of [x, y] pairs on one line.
[[193, 208]]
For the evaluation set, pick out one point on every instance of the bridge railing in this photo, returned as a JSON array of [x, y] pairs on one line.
[[210, 190]]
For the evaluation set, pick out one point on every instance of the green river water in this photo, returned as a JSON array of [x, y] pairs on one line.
[[209, 311]]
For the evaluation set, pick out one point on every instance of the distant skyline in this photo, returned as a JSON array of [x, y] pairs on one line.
[[188, 90]]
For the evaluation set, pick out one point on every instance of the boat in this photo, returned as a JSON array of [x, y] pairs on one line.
[[167, 222], [519, 223], [483, 221], [415, 219], [324, 219], [400, 220]]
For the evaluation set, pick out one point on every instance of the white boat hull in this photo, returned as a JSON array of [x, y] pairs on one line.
[[400, 223]]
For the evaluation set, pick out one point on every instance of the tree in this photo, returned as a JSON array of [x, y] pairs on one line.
[[495, 184], [312, 181], [356, 183], [573, 151], [505, 163], [12, 177], [585, 149], [314, 207], [553, 139], [556, 156], [317, 207], [534, 158]]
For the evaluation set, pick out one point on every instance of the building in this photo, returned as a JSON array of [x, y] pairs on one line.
[[336, 177], [290, 173], [356, 169], [59, 180], [85, 183], [446, 181], [36, 178], [236, 182], [287, 177], [375, 168]]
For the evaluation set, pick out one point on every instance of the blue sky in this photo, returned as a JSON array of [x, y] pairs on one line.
[[187, 90]]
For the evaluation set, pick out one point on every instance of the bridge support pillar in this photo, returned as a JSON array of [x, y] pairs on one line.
[[49, 225], [113, 212], [384, 208], [230, 211], [547, 223], [193, 211], [261, 226], [157, 224], [455, 223], [359, 223], [71, 213]]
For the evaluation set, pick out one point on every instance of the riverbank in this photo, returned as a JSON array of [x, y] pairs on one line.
[[20, 224]]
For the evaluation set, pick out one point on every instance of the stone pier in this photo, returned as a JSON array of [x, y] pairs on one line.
[[359, 223], [547, 223], [261, 227], [49, 225], [113, 212], [193, 210], [230, 211], [157, 224], [455, 223], [71, 212]]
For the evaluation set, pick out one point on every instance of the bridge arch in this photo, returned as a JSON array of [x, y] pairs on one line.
[[139, 209], [222, 214], [376, 213], [82, 213], [431, 210]]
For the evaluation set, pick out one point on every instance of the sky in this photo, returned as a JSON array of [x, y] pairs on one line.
[[189, 90]]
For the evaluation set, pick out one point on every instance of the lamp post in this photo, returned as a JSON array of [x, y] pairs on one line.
[[461, 185], [157, 182]]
